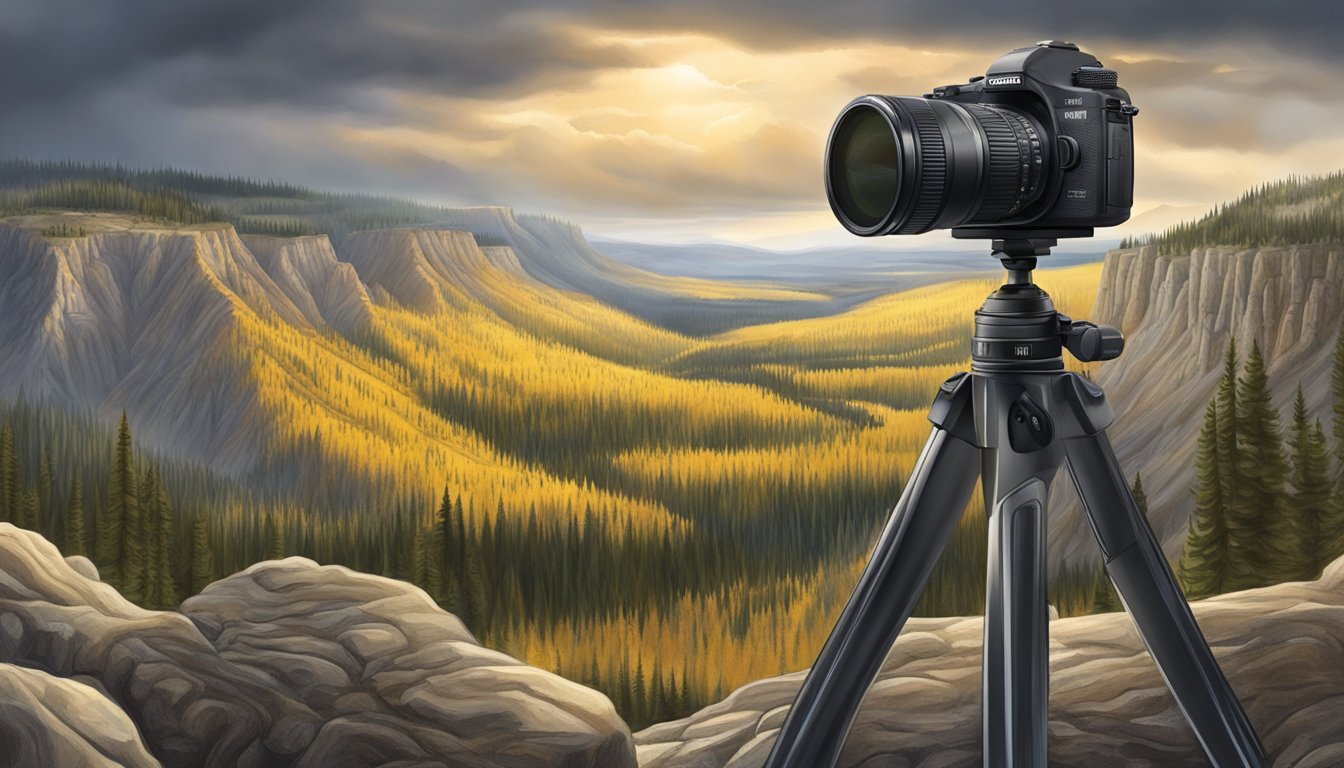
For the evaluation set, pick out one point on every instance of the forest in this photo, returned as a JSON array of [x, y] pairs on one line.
[[1266, 509]]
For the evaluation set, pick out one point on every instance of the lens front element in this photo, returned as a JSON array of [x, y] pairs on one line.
[[866, 169]]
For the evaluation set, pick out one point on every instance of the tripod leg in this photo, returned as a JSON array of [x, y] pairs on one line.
[[896, 574], [1016, 653], [1150, 593]]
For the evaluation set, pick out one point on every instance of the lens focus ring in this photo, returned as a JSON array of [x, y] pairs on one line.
[[932, 154], [1015, 161]]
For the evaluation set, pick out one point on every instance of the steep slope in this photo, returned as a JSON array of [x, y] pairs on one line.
[[293, 664], [140, 319], [558, 254], [1178, 314], [434, 270], [216, 362], [327, 291], [1279, 647]]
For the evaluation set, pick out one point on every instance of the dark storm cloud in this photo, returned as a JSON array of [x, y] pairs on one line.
[[204, 51], [199, 51]]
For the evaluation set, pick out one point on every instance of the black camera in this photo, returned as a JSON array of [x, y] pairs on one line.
[[1042, 142]]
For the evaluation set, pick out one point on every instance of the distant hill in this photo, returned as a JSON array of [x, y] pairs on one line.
[[550, 250], [1292, 211]]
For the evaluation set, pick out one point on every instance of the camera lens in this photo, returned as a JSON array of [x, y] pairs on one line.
[[868, 166], [903, 165]]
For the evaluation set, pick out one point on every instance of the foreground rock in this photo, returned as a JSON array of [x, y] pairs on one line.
[[1282, 648], [51, 721], [392, 675], [299, 665]]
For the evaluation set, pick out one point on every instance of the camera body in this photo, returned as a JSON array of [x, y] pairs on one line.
[[1043, 142], [1088, 122]]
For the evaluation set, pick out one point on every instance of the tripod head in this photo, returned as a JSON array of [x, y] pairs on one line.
[[1018, 328]]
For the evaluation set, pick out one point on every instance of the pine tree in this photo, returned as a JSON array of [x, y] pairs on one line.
[[639, 697], [1228, 445], [1334, 525], [165, 585], [1310, 499], [28, 510], [446, 554], [202, 556], [122, 510], [9, 475], [149, 534], [474, 605], [1263, 535], [1204, 561], [46, 516], [1140, 498], [75, 537]]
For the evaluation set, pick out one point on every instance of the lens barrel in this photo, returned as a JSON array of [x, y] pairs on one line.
[[905, 165]]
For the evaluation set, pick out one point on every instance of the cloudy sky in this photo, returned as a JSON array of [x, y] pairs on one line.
[[680, 120]]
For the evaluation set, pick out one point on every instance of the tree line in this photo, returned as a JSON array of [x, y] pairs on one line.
[[1298, 209], [1267, 509]]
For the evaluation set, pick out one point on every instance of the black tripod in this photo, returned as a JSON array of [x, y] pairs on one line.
[[1014, 419]]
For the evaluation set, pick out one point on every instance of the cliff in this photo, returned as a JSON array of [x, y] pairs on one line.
[[286, 664], [1280, 647], [1178, 314]]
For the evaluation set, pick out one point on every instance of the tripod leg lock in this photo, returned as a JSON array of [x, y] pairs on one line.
[[952, 409]]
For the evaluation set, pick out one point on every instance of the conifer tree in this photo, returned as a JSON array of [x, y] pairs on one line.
[[639, 697], [1228, 445], [1204, 561], [149, 534], [202, 557], [44, 479], [1310, 500], [75, 536], [164, 585], [1334, 526], [1263, 534], [28, 511], [9, 475], [122, 510]]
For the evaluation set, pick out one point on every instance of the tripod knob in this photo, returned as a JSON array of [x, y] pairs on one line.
[[1090, 342]]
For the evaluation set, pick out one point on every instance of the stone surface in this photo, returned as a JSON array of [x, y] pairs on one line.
[[58, 723], [294, 664], [1282, 648]]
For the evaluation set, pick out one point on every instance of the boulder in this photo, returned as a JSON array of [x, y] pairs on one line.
[[1281, 647], [289, 664], [58, 723]]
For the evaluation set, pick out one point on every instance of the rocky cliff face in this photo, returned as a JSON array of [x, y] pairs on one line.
[[327, 291], [1178, 314], [286, 664], [1279, 646]]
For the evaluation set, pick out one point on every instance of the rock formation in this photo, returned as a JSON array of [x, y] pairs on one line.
[[1281, 648], [1178, 314], [286, 664], [52, 721]]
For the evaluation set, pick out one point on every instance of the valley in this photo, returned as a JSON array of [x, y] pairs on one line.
[[659, 485]]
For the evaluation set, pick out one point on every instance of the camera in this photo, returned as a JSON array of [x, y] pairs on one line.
[[1043, 142]]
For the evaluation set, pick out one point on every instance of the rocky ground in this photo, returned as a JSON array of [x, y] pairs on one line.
[[1282, 648], [294, 664], [286, 664]]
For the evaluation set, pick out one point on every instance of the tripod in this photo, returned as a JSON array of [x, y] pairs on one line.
[[1014, 420]]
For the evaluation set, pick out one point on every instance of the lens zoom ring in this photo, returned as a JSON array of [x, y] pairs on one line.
[[932, 169], [1014, 161]]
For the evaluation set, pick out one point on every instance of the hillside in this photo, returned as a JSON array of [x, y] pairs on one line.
[[1291, 211], [553, 252]]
